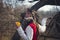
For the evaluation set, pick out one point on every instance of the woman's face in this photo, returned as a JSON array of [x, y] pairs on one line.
[[28, 14]]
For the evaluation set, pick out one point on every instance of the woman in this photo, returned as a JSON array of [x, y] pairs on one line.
[[30, 31]]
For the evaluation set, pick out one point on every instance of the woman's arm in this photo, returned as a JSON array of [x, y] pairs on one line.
[[42, 28], [26, 36]]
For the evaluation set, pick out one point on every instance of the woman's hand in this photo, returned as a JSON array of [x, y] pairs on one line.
[[18, 24]]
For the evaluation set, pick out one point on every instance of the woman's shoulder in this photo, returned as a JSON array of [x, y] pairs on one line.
[[33, 25]]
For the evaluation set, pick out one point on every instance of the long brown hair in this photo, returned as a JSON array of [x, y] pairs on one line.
[[36, 18]]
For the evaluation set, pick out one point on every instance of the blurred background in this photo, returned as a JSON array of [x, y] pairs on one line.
[[10, 11]]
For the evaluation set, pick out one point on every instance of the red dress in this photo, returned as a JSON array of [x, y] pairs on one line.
[[33, 26]]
